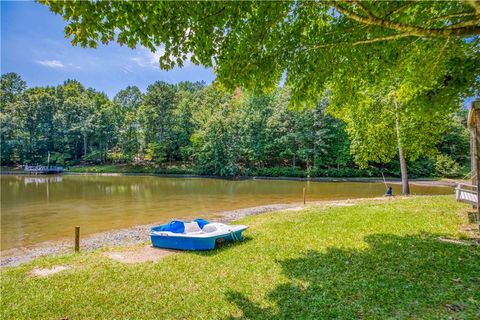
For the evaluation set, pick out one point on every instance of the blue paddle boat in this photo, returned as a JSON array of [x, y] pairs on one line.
[[196, 235]]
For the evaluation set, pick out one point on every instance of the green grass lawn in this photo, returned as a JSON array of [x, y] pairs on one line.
[[373, 260]]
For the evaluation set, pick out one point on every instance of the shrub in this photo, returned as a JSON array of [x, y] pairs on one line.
[[279, 172], [59, 158], [446, 166], [93, 157], [156, 153]]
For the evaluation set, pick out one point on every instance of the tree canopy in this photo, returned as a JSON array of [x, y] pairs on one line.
[[388, 68], [254, 44]]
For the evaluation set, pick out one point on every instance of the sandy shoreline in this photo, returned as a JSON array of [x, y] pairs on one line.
[[140, 234]]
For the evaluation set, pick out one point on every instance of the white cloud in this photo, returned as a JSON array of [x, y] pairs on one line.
[[127, 69], [56, 64], [147, 59], [73, 66], [51, 63]]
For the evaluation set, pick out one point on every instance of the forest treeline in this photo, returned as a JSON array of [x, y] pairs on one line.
[[197, 129]]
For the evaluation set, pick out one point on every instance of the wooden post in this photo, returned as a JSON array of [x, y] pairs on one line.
[[304, 193], [473, 154], [77, 239], [476, 109]]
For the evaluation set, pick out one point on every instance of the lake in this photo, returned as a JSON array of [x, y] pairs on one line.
[[42, 208]]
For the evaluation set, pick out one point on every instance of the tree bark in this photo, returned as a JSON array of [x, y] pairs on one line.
[[465, 29], [401, 154], [84, 145], [473, 156]]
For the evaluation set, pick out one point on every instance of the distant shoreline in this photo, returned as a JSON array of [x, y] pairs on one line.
[[422, 181], [434, 182]]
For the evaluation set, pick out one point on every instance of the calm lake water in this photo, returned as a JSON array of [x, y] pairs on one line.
[[42, 208]]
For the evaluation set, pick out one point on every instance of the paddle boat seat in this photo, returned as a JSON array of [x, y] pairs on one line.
[[195, 235]]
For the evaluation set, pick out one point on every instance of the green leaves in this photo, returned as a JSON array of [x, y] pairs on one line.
[[224, 133]]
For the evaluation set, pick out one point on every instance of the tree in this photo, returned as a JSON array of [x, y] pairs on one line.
[[405, 100], [215, 140], [129, 98], [128, 102], [11, 89], [155, 152], [75, 118], [251, 116], [191, 87], [254, 44], [455, 142], [106, 124], [129, 140], [306, 135], [156, 115], [183, 125], [315, 46]]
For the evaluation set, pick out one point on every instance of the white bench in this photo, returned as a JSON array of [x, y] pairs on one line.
[[467, 193]]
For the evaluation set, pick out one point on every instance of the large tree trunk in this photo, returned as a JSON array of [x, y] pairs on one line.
[[474, 158], [477, 149], [401, 155]]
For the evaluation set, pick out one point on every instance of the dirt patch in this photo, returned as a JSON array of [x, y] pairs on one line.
[[296, 209], [139, 254], [42, 273], [341, 204]]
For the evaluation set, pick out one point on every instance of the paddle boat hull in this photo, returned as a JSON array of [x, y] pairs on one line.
[[196, 241]]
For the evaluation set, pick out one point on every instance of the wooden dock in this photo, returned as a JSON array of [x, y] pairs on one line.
[[43, 169]]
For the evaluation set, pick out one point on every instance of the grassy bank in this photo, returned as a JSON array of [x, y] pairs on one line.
[[373, 260]]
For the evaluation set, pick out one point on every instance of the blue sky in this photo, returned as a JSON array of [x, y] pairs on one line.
[[34, 46]]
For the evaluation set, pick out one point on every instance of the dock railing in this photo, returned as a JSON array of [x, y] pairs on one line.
[[43, 169]]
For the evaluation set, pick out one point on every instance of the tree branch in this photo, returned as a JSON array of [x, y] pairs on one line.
[[362, 42], [463, 31], [386, 38]]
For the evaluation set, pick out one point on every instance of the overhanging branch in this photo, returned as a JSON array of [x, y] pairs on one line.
[[467, 30], [361, 42]]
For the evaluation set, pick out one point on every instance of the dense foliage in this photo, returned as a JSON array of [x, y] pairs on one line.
[[204, 129], [407, 61]]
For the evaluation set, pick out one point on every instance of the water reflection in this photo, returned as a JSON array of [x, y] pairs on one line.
[[37, 209], [43, 179]]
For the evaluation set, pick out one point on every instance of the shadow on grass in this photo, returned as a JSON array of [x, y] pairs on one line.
[[220, 247], [395, 277]]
